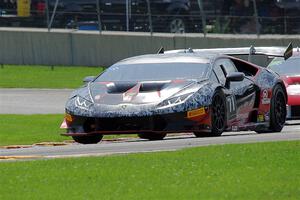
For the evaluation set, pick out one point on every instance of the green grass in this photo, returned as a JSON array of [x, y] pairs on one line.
[[246, 171], [44, 77], [30, 129]]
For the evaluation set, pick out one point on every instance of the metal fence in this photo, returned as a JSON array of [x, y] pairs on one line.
[[176, 16]]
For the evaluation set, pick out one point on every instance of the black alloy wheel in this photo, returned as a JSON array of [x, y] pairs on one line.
[[218, 116], [278, 109], [218, 113], [88, 139], [152, 136]]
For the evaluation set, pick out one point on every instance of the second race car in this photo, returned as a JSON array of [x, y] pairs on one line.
[[289, 71]]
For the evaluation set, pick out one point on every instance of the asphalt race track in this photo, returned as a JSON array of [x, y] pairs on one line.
[[291, 132], [55, 99], [33, 101]]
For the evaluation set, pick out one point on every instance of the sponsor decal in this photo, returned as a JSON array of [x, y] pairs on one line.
[[265, 97], [195, 113], [260, 118], [231, 106], [267, 116]]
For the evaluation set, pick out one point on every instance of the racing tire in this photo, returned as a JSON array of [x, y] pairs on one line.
[[277, 111], [152, 136], [218, 116], [218, 113], [88, 139]]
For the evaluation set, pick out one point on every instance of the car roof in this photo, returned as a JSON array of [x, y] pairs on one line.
[[296, 52], [170, 58]]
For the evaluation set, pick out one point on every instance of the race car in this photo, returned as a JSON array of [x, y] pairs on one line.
[[153, 95], [289, 71]]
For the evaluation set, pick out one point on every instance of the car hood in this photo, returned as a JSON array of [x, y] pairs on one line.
[[115, 93]]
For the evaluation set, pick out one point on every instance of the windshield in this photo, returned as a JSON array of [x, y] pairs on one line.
[[153, 72], [290, 66]]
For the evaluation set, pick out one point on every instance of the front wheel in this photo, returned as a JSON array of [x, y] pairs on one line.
[[88, 139], [218, 113], [218, 116]]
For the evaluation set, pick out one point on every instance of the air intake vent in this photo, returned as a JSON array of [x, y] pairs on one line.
[[120, 87], [151, 87]]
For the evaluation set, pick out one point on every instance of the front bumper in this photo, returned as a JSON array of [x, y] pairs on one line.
[[167, 123]]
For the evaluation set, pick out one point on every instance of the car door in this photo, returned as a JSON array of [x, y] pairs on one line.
[[242, 99]]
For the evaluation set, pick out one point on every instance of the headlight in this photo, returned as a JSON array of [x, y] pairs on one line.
[[174, 100], [82, 103], [293, 89]]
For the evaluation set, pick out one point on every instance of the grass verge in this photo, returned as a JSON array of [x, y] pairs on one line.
[[245, 171], [30, 129], [44, 76]]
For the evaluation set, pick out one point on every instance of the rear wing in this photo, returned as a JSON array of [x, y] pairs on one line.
[[242, 51]]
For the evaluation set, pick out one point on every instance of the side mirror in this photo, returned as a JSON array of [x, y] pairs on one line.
[[234, 76], [88, 79]]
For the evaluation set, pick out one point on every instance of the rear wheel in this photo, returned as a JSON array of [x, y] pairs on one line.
[[218, 116], [88, 139], [152, 136], [277, 111]]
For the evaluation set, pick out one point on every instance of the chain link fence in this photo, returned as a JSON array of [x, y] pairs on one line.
[[172, 16]]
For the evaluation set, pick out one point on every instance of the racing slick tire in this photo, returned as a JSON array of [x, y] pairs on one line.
[[218, 116], [277, 111], [152, 136], [88, 139]]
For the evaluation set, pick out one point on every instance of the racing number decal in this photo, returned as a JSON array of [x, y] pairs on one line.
[[231, 103], [231, 107]]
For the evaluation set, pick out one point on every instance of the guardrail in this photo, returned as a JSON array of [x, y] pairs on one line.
[[27, 46]]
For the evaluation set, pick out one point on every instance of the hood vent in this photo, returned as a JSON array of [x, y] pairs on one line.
[[117, 88], [152, 87]]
